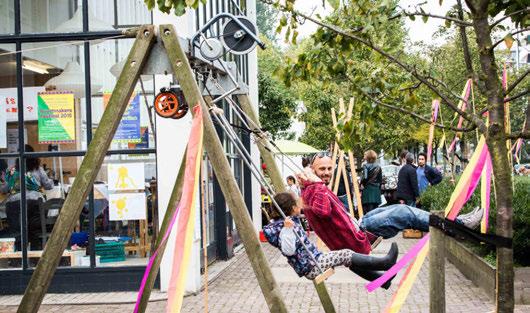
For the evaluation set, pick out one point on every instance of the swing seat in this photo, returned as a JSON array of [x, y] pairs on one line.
[[322, 277]]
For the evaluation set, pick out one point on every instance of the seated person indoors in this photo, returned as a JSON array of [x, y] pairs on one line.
[[336, 227], [281, 234], [35, 180]]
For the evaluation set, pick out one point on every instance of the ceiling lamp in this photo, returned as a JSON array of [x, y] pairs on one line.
[[72, 79], [75, 24]]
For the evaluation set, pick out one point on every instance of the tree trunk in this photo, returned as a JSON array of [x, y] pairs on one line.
[[496, 140]]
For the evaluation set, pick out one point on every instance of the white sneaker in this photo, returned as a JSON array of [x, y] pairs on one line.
[[472, 220]]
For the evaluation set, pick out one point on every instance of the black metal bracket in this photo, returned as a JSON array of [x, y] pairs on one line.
[[455, 229]]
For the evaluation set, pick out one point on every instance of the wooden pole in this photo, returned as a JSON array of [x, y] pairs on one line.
[[266, 154], [356, 188], [437, 268], [184, 74], [174, 199], [41, 278]]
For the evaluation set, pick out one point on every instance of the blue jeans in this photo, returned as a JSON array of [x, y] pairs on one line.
[[390, 220]]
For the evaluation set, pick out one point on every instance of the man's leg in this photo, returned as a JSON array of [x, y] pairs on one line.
[[387, 223]]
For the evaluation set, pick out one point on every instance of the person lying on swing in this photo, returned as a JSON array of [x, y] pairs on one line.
[[281, 234], [338, 230]]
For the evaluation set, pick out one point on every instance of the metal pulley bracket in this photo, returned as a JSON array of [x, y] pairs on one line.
[[225, 83], [238, 35]]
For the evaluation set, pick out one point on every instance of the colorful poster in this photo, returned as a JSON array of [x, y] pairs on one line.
[[56, 116], [127, 206], [8, 96], [126, 176], [144, 140], [129, 128]]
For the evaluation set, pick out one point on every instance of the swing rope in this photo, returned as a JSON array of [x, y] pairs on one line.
[[247, 159], [255, 129]]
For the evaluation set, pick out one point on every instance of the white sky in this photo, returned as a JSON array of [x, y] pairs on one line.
[[418, 30]]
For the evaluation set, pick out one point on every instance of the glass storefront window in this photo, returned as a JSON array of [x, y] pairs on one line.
[[53, 16], [132, 12], [124, 210], [54, 119], [7, 22], [10, 227], [136, 129]]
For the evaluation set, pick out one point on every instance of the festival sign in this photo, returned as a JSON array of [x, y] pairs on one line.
[[129, 128], [56, 117]]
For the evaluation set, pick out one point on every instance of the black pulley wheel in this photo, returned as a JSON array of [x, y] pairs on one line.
[[235, 39]]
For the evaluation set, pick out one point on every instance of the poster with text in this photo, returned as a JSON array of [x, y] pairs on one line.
[[9, 96], [126, 176], [56, 117], [129, 128], [127, 206]]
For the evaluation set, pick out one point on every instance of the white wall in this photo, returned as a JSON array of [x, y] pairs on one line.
[[253, 95], [172, 137]]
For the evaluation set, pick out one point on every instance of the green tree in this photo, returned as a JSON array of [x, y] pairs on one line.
[[277, 104], [266, 19], [357, 26]]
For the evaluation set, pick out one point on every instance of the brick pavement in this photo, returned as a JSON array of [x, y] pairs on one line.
[[237, 291]]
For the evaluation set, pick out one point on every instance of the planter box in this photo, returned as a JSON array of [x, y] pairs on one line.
[[482, 274]]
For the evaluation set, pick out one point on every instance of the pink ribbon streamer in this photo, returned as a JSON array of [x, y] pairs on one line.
[[411, 254], [166, 234], [471, 185], [461, 119], [489, 171], [434, 117]]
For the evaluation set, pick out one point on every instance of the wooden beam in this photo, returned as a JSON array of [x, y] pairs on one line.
[[266, 154], [41, 278], [437, 268], [221, 167], [174, 199]]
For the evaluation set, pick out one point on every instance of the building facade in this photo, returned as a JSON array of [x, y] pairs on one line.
[[65, 55]]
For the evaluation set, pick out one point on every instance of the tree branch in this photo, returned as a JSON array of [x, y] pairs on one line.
[[517, 96], [470, 117], [497, 22], [452, 19], [523, 135], [515, 83], [465, 44], [522, 30], [416, 115]]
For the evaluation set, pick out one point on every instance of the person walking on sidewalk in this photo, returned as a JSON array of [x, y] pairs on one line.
[[282, 234], [371, 182], [407, 189]]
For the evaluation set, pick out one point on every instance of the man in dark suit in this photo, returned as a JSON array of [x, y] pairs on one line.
[[407, 186]]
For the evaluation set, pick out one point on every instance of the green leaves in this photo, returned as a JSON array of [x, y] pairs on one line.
[[508, 40]]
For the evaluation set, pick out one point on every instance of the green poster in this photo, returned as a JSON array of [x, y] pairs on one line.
[[56, 117]]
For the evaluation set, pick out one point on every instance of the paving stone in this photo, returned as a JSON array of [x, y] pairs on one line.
[[236, 290]]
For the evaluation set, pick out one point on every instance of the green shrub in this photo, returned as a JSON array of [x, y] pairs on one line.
[[436, 198]]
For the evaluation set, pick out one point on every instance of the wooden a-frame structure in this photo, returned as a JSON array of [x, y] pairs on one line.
[[137, 59]]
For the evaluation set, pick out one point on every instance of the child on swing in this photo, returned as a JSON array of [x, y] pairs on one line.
[[281, 234]]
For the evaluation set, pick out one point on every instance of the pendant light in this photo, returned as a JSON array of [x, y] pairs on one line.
[[72, 79]]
